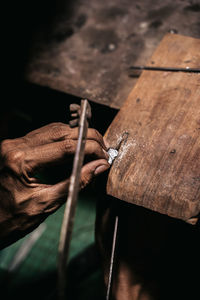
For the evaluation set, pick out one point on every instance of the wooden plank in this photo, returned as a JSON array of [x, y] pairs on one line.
[[87, 48], [158, 167]]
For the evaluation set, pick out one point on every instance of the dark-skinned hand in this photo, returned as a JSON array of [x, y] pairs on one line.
[[25, 201]]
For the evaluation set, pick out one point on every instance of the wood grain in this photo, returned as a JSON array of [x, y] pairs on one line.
[[158, 167]]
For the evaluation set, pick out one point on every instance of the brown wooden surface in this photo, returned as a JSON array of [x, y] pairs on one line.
[[158, 167], [87, 46]]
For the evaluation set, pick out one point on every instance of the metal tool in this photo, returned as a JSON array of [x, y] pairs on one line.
[[26, 247], [167, 69], [69, 213], [108, 292], [20, 256], [113, 153]]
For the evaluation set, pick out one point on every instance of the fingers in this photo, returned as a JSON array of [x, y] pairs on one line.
[[47, 134], [59, 152], [92, 134], [55, 132], [91, 170], [44, 135], [48, 198], [49, 144], [52, 197]]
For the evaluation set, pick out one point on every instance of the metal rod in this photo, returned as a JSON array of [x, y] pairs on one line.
[[168, 69], [68, 219], [108, 293], [26, 247]]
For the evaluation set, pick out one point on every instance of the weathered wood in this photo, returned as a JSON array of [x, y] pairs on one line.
[[87, 48], [158, 167]]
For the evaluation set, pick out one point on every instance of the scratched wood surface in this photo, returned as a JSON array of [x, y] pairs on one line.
[[158, 166]]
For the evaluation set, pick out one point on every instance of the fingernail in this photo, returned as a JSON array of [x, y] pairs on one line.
[[106, 144], [101, 169], [106, 154]]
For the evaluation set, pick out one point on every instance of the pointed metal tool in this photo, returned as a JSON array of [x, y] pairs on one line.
[[113, 153], [69, 213], [166, 69], [110, 276]]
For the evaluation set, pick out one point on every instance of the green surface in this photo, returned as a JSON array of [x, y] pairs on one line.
[[36, 276]]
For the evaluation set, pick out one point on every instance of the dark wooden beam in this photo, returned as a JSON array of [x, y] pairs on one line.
[[86, 47]]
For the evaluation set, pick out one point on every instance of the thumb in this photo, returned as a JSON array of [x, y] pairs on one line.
[[91, 170], [55, 195]]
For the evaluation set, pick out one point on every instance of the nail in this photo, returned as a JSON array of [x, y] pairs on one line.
[[106, 154]]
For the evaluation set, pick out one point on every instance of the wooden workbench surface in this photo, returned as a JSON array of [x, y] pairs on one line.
[[87, 46], [158, 167]]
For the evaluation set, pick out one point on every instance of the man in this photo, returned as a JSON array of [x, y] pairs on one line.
[[25, 200]]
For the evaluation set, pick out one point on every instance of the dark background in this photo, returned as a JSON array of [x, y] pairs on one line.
[[26, 106]]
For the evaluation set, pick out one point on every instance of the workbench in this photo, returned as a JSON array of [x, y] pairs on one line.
[[85, 48]]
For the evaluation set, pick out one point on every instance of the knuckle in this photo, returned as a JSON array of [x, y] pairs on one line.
[[59, 129], [56, 124], [4, 147], [13, 159], [14, 156], [68, 146]]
